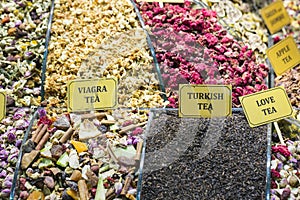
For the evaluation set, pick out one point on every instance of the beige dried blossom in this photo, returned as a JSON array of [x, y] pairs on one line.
[[82, 30], [129, 60], [290, 80]]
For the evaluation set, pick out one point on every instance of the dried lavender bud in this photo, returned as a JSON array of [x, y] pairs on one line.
[[11, 137], [103, 128]]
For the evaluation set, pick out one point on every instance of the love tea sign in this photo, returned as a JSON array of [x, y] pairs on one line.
[[266, 106]]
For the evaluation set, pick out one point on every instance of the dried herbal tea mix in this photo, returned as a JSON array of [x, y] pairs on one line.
[[23, 26], [82, 156], [285, 160], [290, 80], [246, 23], [126, 57], [12, 131], [189, 158]]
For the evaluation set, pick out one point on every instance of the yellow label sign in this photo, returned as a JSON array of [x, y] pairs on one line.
[[204, 100], [92, 94], [164, 1], [266, 106], [284, 55], [2, 105], [275, 16]]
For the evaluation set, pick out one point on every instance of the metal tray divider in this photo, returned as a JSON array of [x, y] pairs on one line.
[[152, 50], [268, 166], [48, 35], [16, 173]]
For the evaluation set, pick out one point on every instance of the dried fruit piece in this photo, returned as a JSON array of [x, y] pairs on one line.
[[79, 146], [88, 130], [49, 182], [73, 194], [63, 160], [28, 158], [76, 175], [83, 191], [73, 159], [36, 195]]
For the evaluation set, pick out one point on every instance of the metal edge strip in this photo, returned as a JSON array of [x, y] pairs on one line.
[[268, 164], [152, 50], [48, 34], [16, 173]]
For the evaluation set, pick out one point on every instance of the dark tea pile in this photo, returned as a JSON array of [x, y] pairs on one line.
[[204, 158]]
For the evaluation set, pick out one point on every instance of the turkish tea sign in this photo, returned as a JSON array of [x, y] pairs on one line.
[[204, 100], [266, 106], [92, 94]]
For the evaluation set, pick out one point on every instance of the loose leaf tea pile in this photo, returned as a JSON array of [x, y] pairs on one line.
[[215, 158]]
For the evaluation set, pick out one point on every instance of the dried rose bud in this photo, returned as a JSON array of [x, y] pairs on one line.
[[285, 194], [94, 190], [24, 195], [137, 131]]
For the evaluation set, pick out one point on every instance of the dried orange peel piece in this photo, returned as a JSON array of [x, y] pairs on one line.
[[36, 195], [79, 146]]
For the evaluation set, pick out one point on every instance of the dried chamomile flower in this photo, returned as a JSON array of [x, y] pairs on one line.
[[127, 58], [82, 30]]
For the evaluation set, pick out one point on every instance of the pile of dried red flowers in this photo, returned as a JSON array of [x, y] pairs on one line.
[[191, 47]]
